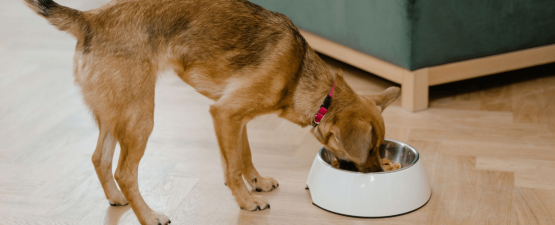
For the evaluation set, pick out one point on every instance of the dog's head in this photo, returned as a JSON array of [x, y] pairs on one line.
[[355, 132]]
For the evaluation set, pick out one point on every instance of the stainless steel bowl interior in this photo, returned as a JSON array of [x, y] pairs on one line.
[[395, 151]]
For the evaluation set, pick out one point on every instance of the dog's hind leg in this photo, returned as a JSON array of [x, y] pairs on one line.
[[224, 168], [132, 131], [102, 160], [133, 128], [250, 173], [120, 93]]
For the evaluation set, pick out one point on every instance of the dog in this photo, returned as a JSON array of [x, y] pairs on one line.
[[247, 59]]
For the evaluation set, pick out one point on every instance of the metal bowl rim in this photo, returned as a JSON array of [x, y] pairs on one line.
[[393, 171]]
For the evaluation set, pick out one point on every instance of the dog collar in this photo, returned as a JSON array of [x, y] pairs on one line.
[[324, 107]]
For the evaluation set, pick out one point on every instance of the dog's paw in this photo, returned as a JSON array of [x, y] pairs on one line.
[[264, 184], [254, 203], [156, 218], [118, 200]]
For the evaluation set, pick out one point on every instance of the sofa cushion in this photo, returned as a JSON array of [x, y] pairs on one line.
[[416, 34]]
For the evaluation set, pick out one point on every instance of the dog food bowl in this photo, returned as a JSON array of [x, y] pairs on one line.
[[379, 194]]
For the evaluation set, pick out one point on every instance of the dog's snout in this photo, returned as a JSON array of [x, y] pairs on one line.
[[347, 165]]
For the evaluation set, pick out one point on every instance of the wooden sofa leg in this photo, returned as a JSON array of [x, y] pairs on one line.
[[414, 92]]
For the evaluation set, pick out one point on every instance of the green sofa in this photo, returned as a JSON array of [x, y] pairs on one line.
[[426, 41]]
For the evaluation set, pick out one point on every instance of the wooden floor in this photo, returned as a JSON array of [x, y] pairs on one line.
[[488, 146]]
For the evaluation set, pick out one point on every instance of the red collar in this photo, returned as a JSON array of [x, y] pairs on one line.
[[324, 107]]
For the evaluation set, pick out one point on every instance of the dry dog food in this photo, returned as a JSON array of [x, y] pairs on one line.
[[387, 165]]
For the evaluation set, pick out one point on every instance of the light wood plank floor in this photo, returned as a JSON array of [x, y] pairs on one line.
[[488, 146]]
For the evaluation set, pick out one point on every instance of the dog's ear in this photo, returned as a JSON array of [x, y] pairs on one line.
[[385, 98], [339, 72], [353, 135]]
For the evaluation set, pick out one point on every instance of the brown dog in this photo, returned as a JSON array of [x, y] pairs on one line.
[[249, 60]]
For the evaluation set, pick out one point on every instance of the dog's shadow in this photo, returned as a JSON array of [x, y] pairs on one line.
[[114, 214]]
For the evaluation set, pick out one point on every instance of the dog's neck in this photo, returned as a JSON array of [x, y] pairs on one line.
[[314, 84]]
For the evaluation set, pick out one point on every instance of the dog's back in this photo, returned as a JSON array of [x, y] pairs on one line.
[[205, 42]]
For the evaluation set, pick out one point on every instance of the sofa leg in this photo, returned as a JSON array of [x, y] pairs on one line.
[[414, 93]]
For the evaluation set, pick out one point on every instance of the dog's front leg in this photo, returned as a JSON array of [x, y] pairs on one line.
[[229, 127], [250, 173]]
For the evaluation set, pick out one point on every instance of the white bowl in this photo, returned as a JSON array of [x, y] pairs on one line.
[[378, 194]]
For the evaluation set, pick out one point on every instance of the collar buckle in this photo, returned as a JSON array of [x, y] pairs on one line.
[[324, 107]]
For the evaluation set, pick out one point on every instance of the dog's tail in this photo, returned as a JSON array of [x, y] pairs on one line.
[[64, 18]]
